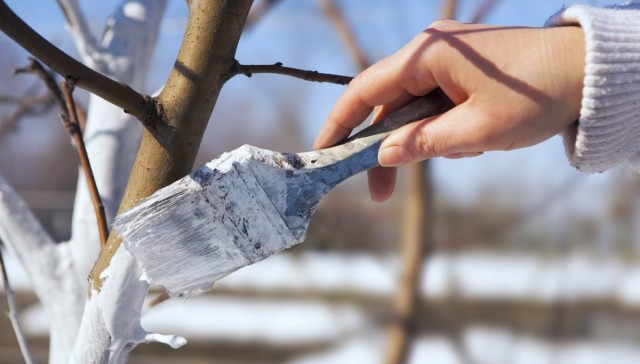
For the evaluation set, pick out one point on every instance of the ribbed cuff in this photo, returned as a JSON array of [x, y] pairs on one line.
[[608, 131]]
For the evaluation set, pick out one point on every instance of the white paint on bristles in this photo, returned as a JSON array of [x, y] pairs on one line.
[[205, 226]]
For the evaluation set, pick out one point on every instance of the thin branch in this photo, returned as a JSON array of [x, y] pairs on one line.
[[73, 127], [13, 314], [278, 68], [158, 300], [31, 106], [483, 10], [258, 11], [449, 9], [7, 99], [334, 15], [119, 94], [36, 68]]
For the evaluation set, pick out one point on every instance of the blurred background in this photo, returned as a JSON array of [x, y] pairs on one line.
[[505, 258]]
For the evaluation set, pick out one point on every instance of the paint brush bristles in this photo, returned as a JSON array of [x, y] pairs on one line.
[[205, 226]]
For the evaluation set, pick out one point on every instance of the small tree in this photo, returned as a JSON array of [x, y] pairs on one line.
[[104, 326]]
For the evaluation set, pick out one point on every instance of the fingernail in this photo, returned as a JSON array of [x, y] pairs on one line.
[[470, 154], [393, 156]]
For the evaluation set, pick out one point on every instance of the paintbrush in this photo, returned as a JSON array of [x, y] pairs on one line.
[[247, 204]]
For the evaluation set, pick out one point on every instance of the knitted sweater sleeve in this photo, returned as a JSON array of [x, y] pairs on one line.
[[608, 131]]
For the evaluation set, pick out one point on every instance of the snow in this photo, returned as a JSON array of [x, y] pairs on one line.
[[293, 322], [483, 346], [261, 320], [476, 276]]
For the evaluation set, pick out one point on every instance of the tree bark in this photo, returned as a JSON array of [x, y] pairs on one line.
[[203, 65], [167, 153]]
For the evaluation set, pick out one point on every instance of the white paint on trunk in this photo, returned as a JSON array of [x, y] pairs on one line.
[[49, 269], [112, 316]]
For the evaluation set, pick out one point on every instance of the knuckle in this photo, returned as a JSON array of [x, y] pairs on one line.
[[444, 25], [424, 146]]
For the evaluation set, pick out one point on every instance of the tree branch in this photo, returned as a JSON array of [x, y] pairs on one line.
[[73, 126], [258, 11], [334, 15], [141, 106], [13, 314], [27, 107], [278, 68], [36, 68], [483, 10]]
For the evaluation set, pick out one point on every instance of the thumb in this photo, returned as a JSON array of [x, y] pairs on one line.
[[455, 131]]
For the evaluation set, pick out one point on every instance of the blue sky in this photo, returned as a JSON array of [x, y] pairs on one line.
[[296, 33]]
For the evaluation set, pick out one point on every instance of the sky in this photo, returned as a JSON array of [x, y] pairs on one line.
[[296, 33]]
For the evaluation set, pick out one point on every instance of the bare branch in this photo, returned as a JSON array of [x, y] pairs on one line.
[[121, 95], [258, 11], [449, 9], [37, 69], [73, 126], [7, 99], [483, 10], [31, 106], [13, 314], [334, 15], [278, 68]]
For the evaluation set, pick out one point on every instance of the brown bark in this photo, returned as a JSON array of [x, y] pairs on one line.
[[168, 149]]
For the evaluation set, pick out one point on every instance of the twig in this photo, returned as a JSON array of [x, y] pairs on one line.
[[73, 127], [141, 106], [278, 68], [13, 314], [27, 107], [158, 300], [334, 14], [36, 68], [483, 10], [258, 11], [449, 9]]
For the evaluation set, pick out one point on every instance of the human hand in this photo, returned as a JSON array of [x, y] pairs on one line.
[[513, 87]]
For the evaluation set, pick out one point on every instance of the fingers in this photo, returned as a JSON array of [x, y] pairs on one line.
[[385, 83], [435, 137], [381, 183]]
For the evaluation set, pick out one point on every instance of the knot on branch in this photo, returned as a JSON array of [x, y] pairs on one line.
[[153, 114]]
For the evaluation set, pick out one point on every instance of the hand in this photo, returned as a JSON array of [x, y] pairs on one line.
[[513, 87]]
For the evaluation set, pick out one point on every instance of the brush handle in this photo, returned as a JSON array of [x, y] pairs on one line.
[[360, 151]]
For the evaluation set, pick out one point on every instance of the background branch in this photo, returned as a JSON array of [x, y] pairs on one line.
[[258, 11], [483, 10], [36, 68], [13, 313], [29, 106], [335, 16]]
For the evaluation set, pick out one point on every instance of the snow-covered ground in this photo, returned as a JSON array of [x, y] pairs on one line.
[[482, 346], [475, 275]]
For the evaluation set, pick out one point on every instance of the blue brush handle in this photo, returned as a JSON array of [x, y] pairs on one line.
[[360, 151]]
